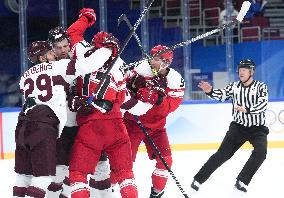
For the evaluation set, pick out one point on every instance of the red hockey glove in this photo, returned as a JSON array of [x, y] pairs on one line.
[[158, 84], [113, 43], [90, 14], [147, 95]]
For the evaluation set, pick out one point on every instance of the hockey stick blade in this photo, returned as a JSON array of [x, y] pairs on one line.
[[244, 9], [120, 19]]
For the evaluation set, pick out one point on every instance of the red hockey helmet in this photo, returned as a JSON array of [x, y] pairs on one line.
[[99, 39], [57, 34], [166, 55], [36, 49]]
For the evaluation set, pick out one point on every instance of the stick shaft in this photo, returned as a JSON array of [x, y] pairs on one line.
[[184, 43], [135, 36], [159, 155]]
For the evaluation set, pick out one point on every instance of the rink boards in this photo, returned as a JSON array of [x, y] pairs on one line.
[[193, 126]]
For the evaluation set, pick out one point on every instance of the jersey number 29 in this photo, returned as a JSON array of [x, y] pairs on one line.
[[45, 83]]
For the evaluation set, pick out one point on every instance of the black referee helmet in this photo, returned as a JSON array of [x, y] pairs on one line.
[[246, 63]]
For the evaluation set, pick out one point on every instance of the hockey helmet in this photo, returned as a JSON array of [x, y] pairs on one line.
[[99, 39], [166, 55], [246, 63], [36, 49], [57, 34]]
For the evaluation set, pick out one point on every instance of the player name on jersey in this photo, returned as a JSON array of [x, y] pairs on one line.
[[37, 69]]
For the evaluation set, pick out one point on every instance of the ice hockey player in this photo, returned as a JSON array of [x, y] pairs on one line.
[[163, 87]]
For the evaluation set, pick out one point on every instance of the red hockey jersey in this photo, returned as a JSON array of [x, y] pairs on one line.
[[113, 90], [155, 118]]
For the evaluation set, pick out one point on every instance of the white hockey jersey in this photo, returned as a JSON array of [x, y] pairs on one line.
[[77, 52], [49, 83], [79, 49]]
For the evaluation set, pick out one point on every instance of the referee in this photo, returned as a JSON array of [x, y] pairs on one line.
[[249, 98]]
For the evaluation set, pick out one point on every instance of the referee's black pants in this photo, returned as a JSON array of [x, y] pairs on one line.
[[234, 139]]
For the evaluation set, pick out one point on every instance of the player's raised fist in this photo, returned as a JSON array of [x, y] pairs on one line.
[[90, 14]]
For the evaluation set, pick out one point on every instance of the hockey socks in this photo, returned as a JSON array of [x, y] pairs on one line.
[[159, 179], [128, 189]]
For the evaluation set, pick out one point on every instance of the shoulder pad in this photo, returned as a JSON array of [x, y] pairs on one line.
[[175, 80], [79, 49], [144, 69]]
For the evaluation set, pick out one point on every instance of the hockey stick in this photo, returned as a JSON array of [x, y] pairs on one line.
[[159, 154], [103, 78], [239, 19], [124, 18]]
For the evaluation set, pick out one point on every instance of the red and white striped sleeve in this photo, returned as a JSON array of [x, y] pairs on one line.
[[175, 90]]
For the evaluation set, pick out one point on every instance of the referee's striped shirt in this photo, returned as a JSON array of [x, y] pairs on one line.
[[253, 97]]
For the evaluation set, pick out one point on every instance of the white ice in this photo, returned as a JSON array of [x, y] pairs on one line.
[[267, 182]]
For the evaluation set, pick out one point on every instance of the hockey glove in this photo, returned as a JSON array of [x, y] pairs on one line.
[[90, 14], [158, 84], [151, 96], [107, 40], [79, 104], [134, 83]]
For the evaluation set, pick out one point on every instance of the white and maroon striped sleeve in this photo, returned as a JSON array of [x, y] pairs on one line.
[[80, 67]]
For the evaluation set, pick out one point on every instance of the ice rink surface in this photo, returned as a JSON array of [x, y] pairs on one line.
[[267, 182]]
